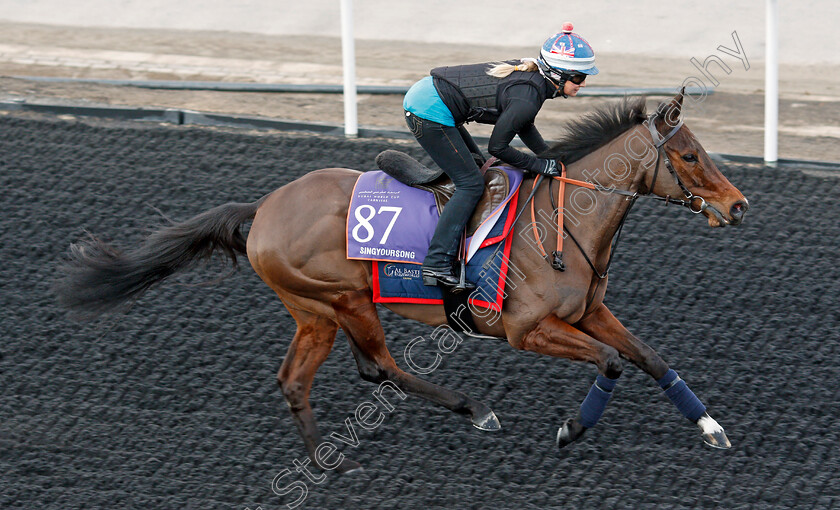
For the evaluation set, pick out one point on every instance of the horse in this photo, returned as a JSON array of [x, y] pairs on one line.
[[296, 244]]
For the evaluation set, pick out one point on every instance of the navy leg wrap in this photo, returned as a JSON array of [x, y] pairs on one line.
[[682, 397], [596, 401]]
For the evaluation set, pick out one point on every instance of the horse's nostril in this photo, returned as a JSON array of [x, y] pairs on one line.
[[738, 209]]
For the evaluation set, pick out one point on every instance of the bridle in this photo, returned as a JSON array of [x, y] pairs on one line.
[[688, 201]]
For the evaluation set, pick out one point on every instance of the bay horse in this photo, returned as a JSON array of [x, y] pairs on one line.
[[296, 244]]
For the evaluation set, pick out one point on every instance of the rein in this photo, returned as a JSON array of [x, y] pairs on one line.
[[659, 142]]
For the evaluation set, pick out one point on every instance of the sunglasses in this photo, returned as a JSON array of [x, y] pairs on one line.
[[577, 79]]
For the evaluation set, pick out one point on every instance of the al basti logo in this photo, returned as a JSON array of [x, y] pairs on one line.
[[398, 271]]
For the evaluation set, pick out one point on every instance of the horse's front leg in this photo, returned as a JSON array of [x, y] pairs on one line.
[[555, 337], [603, 325]]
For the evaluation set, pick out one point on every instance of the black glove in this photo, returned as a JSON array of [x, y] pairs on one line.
[[548, 167]]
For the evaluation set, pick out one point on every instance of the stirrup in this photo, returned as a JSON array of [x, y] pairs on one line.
[[463, 284]]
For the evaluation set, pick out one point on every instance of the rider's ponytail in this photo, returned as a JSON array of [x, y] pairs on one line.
[[502, 69]]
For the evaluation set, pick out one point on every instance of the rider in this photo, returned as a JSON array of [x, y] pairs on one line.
[[507, 94]]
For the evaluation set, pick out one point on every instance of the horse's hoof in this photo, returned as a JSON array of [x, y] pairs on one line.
[[713, 434], [487, 422], [570, 432], [349, 466]]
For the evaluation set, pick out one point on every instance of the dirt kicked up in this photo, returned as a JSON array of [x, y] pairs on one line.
[[175, 403]]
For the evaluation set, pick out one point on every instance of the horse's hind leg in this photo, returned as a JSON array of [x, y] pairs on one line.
[[603, 325], [357, 316], [312, 344]]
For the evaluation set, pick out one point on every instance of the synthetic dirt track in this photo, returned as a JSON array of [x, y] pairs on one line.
[[175, 405]]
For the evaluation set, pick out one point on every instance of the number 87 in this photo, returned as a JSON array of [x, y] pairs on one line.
[[364, 222]]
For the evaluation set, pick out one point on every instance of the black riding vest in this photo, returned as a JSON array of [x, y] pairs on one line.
[[473, 95]]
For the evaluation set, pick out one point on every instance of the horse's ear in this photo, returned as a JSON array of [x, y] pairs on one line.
[[670, 112], [675, 106]]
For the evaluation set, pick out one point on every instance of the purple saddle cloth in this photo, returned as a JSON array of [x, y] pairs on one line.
[[392, 222]]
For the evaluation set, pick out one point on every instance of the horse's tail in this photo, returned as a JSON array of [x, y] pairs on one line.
[[98, 277]]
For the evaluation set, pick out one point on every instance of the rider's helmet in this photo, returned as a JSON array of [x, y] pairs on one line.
[[566, 54]]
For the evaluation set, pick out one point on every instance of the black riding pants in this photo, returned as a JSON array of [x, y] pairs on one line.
[[449, 150]]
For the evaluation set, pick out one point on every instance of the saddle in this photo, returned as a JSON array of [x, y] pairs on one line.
[[408, 170]]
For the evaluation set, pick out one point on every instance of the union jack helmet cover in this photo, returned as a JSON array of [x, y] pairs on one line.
[[567, 51]]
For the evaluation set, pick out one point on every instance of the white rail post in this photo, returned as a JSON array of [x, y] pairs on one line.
[[348, 57], [771, 85]]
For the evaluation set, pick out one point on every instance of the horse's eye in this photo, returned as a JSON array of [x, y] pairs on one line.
[[690, 158]]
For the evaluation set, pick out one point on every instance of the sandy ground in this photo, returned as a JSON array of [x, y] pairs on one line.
[[728, 121]]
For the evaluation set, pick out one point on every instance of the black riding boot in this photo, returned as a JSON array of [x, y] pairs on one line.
[[438, 264]]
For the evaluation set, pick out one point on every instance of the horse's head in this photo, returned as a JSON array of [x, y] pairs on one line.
[[684, 169]]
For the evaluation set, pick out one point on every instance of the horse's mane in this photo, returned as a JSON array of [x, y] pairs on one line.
[[596, 128]]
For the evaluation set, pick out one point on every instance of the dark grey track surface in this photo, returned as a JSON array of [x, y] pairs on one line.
[[175, 405]]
